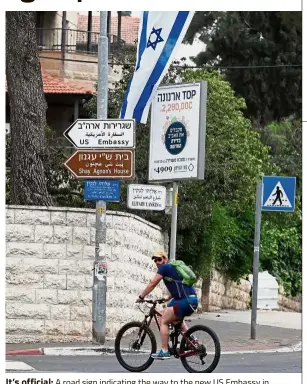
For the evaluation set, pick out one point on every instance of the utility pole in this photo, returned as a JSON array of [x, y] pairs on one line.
[[174, 222], [99, 292], [256, 260]]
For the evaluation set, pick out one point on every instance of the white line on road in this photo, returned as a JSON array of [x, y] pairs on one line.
[[18, 366]]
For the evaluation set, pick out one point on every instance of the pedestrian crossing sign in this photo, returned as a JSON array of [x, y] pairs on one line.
[[278, 193]]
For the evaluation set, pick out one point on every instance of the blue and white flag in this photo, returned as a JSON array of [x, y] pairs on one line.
[[160, 36]]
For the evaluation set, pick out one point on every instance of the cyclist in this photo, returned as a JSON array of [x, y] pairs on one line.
[[183, 300]]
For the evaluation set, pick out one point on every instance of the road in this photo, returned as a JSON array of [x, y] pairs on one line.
[[243, 363]]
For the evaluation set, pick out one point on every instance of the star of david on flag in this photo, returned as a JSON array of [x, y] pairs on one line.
[[157, 38], [160, 36]]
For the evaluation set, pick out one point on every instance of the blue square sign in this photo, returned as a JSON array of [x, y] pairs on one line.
[[107, 190], [278, 193]]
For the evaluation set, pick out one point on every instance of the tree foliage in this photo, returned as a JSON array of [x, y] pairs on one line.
[[281, 234], [235, 160], [245, 40]]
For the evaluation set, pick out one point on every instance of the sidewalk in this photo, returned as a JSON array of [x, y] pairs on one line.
[[276, 332]]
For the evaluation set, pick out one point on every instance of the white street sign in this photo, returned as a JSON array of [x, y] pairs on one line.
[[143, 196], [177, 135], [102, 134]]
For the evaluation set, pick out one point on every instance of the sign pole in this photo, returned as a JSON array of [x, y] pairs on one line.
[[174, 222], [256, 260], [99, 292]]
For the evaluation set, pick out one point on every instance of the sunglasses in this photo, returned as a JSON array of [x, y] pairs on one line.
[[157, 259]]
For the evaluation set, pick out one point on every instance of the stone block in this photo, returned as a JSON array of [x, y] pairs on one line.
[[54, 251], [89, 252], [29, 280], [75, 282], [91, 220], [88, 282], [74, 251], [58, 218], [19, 233], [59, 312], [43, 233], [14, 265], [87, 328], [92, 235], [40, 266], [84, 267], [68, 297], [20, 294], [24, 327], [79, 313], [10, 216], [85, 297], [76, 219], [67, 267], [73, 328], [27, 311], [54, 327], [46, 296], [55, 281], [32, 216], [14, 249], [81, 235], [62, 234]]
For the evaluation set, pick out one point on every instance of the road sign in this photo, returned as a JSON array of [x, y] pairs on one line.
[[104, 164], [143, 196], [278, 193], [177, 135], [107, 190], [99, 134]]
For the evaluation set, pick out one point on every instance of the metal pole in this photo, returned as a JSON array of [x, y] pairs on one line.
[[100, 281], [256, 260], [63, 42], [174, 222], [89, 30]]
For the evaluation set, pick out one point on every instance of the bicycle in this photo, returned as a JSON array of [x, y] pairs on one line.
[[188, 346]]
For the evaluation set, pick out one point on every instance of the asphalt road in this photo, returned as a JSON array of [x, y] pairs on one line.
[[243, 363]]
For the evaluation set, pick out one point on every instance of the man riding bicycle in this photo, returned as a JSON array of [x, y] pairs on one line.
[[183, 299]]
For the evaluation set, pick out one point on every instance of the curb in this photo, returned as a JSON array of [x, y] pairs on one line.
[[98, 351], [33, 352]]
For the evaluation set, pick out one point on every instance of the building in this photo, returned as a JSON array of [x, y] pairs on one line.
[[64, 100], [68, 43]]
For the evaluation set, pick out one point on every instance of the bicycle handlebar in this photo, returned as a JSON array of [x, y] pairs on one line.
[[158, 301]]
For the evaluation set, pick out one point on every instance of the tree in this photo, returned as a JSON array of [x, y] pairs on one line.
[[246, 40], [281, 233], [27, 111]]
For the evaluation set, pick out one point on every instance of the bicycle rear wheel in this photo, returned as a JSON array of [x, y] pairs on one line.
[[204, 355], [134, 345]]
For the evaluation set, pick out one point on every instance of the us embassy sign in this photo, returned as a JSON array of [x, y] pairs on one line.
[[178, 129]]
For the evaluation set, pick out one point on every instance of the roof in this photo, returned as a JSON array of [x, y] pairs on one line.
[[129, 29], [56, 85]]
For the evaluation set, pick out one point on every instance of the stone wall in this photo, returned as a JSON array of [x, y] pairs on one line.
[[50, 254], [289, 304], [220, 293]]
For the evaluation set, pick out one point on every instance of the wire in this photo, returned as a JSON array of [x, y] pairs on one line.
[[189, 66]]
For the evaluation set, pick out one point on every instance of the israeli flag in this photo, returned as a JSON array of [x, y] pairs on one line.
[[160, 35]]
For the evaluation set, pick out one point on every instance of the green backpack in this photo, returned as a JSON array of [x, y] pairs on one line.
[[188, 276]]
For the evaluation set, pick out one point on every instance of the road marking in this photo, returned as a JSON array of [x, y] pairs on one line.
[[18, 366]]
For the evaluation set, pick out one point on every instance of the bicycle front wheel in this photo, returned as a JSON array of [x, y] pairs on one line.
[[201, 354], [134, 344]]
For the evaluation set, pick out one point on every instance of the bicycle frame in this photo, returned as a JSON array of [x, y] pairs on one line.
[[154, 314]]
